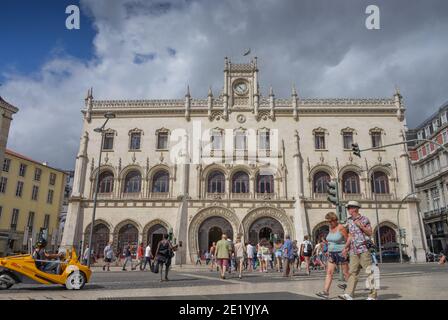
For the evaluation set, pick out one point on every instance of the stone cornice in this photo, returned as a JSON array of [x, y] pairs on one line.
[[283, 107], [7, 106]]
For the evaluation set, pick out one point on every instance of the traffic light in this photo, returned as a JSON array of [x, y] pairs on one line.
[[355, 149], [332, 191]]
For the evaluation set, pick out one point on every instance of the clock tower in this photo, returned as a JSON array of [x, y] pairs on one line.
[[241, 85]]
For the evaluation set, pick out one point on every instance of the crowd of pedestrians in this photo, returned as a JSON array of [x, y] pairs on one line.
[[347, 248]]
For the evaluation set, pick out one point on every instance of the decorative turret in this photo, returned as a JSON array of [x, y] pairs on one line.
[[295, 108], [399, 104], [187, 104], [272, 102], [89, 104], [210, 102]]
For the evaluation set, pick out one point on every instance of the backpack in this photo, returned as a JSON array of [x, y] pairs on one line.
[[309, 247]]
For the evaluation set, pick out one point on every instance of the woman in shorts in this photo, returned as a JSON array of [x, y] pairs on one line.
[[337, 237], [278, 255]]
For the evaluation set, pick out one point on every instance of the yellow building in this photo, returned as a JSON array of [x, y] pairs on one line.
[[31, 195]]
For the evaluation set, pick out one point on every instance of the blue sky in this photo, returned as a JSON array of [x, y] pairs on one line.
[[34, 32]]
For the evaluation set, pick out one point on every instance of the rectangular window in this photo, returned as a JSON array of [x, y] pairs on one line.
[[376, 139], [46, 221], [52, 179], [216, 141], [3, 183], [162, 141], [22, 170], [420, 135], [6, 164], [135, 141], [319, 141], [50, 196], [14, 219], [35, 193], [108, 141], [37, 174], [348, 140], [444, 119], [19, 189], [445, 136], [240, 140], [264, 142], [30, 222]]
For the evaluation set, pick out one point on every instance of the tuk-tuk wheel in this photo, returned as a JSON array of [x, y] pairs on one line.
[[75, 281], [6, 281]]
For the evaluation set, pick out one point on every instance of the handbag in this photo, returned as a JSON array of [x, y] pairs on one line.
[[154, 267]]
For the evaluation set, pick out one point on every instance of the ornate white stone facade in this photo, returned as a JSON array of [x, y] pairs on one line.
[[305, 148]]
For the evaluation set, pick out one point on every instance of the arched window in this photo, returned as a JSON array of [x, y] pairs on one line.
[[380, 182], [160, 182], [216, 182], [350, 182], [240, 182], [106, 184], [320, 182], [265, 183], [133, 182]]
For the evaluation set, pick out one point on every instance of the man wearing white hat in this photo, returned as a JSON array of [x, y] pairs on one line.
[[357, 244]]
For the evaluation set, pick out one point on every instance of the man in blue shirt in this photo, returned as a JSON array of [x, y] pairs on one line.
[[288, 256]]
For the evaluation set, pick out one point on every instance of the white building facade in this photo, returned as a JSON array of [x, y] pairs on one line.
[[240, 163]]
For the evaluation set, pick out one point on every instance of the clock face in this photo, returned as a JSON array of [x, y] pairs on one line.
[[240, 87]]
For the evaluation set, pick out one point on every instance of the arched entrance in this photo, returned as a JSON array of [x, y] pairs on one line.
[[155, 235], [128, 234], [320, 232], [265, 228], [100, 238], [388, 238], [197, 223], [211, 231]]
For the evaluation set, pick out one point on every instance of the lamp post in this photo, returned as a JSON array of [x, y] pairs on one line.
[[377, 214], [398, 224], [378, 234], [107, 115]]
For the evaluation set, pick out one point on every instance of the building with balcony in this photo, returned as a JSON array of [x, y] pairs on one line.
[[430, 171], [237, 162], [31, 196]]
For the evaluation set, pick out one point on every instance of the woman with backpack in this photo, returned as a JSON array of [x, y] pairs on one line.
[[306, 250], [164, 253]]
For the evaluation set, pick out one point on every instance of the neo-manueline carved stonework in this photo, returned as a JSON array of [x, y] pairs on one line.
[[301, 143]]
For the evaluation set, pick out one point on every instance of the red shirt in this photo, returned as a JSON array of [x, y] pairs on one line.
[[140, 252]]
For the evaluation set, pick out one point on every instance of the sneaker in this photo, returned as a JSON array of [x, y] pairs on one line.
[[124, 270], [104, 268], [345, 296], [342, 286], [323, 294], [371, 298]]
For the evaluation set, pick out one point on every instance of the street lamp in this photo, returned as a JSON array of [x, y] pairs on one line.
[[398, 224], [377, 216], [107, 115]]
